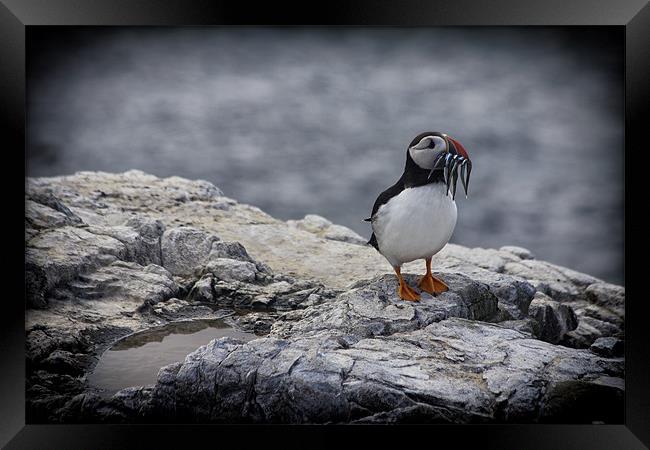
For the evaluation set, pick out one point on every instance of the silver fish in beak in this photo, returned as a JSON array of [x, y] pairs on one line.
[[457, 165]]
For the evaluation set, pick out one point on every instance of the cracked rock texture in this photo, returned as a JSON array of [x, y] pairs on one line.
[[515, 339]]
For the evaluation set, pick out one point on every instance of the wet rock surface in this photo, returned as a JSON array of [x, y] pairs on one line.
[[513, 340]]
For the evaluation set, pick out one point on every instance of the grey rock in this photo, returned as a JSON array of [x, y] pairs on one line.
[[605, 328], [612, 316], [185, 250], [486, 266], [173, 305], [608, 346], [192, 190], [42, 342], [312, 223], [60, 254], [125, 407], [61, 361], [261, 301], [39, 216], [231, 270], [150, 231], [324, 228], [312, 300], [143, 249], [35, 286], [102, 302], [582, 402], [374, 308], [344, 234], [259, 323], [520, 252], [123, 282], [223, 203], [583, 336], [545, 278], [231, 250], [527, 326], [488, 259], [514, 294], [234, 284], [235, 250], [594, 322], [552, 319], [606, 294], [280, 287], [112, 254], [46, 210], [560, 283], [455, 370], [202, 290]]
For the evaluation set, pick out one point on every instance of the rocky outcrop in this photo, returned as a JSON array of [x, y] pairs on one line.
[[608, 346], [112, 254], [324, 228], [552, 320]]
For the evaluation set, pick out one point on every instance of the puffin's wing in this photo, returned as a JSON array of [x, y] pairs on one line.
[[385, 196], [373, 241]]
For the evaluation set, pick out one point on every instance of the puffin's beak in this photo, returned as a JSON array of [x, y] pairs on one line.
[[456, 162], [455, 147]]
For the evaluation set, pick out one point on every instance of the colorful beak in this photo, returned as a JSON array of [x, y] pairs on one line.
[[456, 165], [456, 147]]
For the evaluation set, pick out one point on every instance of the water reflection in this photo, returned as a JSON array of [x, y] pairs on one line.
[[136, 359]]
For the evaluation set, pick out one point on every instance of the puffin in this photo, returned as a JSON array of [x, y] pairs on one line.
[[415, 218]]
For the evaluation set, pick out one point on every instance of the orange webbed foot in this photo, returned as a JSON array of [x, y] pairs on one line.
[[429, 283], [405, 292], [432, 285]]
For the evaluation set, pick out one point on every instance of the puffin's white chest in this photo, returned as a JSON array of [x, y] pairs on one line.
[[415, 224]]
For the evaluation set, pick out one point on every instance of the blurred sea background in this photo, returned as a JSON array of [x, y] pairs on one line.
[[317, 120]]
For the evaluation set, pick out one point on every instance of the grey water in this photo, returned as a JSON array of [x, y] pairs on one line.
[[136, 359], [317, 120]]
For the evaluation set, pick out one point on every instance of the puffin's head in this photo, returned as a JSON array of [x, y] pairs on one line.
[[437, 151]]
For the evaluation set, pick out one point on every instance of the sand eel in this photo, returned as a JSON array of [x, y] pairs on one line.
[[415, 218]]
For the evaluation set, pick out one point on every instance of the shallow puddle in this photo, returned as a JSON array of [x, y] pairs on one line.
[[136, 359]]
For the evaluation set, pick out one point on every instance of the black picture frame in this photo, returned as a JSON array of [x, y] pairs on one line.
[[16, 15]]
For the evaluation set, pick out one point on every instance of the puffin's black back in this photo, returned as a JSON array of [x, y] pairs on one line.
[[412, 176]]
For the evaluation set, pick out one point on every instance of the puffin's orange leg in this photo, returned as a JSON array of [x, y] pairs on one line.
[[404, 291], [431, 284]]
